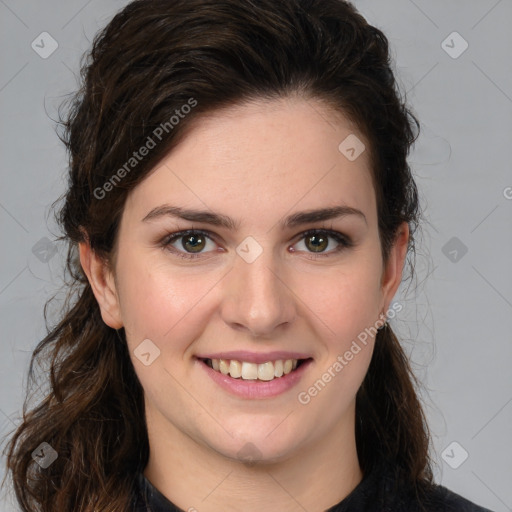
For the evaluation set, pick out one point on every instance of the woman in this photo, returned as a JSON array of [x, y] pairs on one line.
[[239, 213]]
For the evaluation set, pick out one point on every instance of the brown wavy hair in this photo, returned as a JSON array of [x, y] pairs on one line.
[[143, 67]]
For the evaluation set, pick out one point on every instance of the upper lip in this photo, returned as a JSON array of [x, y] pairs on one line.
[[255, 357]]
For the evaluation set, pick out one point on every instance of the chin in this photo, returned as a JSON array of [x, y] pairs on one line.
[[256, 448]]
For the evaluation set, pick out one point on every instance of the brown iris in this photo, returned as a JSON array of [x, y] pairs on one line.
[[194, 247], [320, 242]]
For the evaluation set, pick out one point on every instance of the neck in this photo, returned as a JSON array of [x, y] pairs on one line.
[[195, 477]]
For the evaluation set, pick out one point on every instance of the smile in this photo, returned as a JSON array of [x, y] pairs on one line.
[[245, 370]]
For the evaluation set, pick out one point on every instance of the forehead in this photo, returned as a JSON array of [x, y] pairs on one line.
[[263, 158]]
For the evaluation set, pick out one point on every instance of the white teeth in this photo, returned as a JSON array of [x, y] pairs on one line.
[[249, 371], [278, 368], [223, 366], [252, 371], [265, 371], [235, 369]]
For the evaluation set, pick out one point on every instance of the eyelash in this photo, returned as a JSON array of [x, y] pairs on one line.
[[343, 240]]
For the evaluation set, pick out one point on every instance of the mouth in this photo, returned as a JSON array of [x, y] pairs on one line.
[[247, 371]]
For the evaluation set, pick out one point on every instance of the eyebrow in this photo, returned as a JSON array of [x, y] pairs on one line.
[[217, 219]]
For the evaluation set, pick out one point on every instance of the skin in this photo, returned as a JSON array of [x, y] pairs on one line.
[[256, 163]]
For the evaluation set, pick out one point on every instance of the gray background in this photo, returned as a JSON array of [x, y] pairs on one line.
[[456, 321]]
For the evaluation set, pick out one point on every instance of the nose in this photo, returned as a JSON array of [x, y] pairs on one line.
[[257, 297]]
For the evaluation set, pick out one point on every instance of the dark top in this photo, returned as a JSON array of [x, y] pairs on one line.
[[374, 493]]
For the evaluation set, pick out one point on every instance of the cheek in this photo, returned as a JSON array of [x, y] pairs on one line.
[[345, 300], [157, 302], [346, 314]]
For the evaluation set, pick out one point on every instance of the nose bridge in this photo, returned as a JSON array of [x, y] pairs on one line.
[[258, 298]]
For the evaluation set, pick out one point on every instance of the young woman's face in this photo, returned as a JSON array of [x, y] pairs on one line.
[[254, 288]]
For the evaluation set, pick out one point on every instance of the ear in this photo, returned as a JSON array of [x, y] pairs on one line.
[[392, 274], [103, 286]]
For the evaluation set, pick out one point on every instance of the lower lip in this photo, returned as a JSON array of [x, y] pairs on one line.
[[256, 389]]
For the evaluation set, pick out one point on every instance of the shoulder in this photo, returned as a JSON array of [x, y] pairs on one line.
[[441, 499], [147, 498]]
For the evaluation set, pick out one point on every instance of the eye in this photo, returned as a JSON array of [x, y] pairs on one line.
[[190, 244], [191, 240], [317, 240]]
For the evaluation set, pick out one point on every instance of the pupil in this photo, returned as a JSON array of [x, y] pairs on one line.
[[194, 246], [315, 244]]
